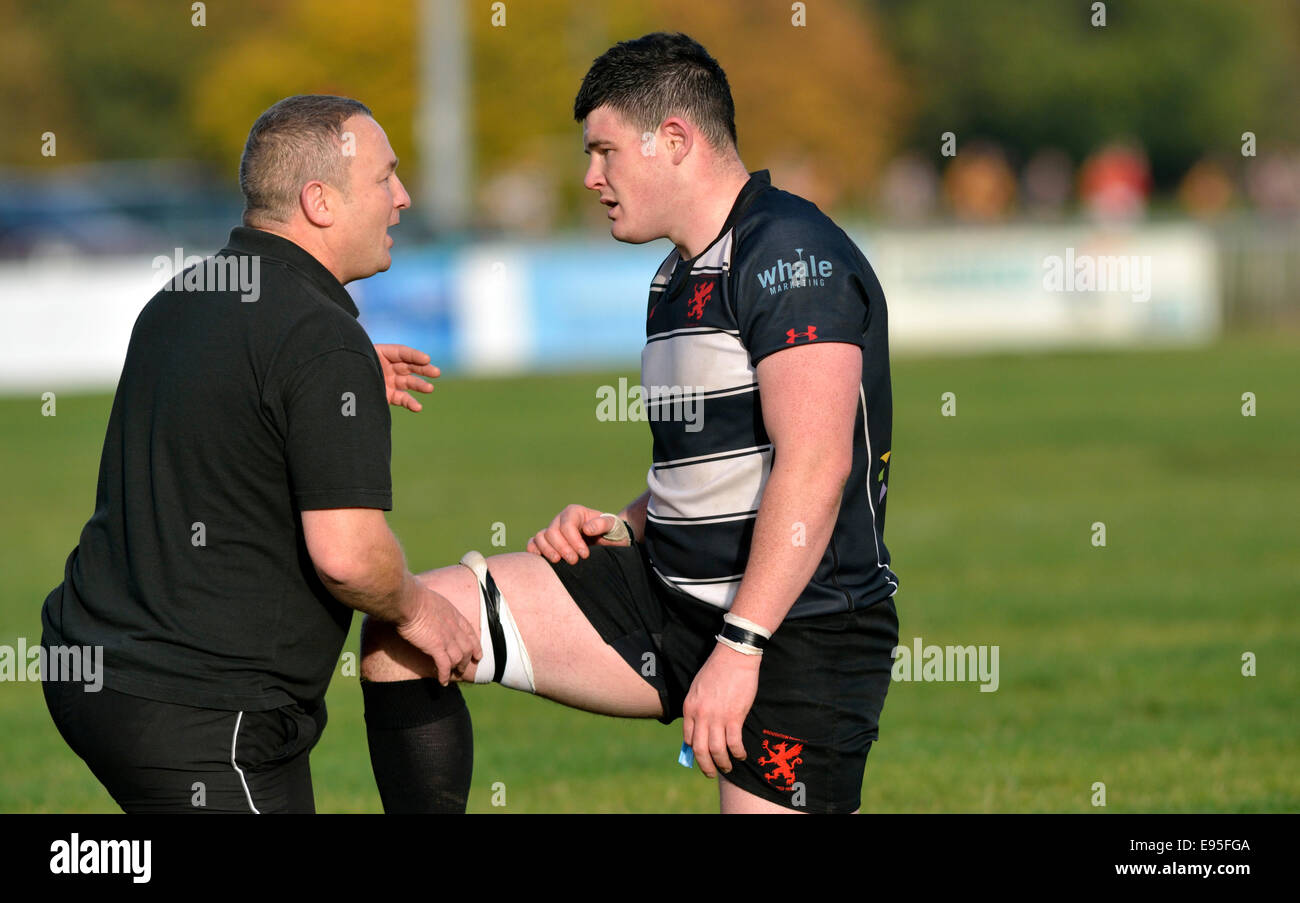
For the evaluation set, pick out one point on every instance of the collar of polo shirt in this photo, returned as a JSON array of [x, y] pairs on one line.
[[245, 240]]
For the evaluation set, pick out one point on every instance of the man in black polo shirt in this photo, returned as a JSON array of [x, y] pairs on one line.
[[239, 514]]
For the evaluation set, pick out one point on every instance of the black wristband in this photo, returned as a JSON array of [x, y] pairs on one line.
[[741, 635]]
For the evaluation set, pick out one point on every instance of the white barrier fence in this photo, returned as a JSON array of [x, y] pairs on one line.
[[65, 323], [1023, 288]]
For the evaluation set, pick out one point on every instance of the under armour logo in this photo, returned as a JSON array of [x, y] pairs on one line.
[[810, 335]]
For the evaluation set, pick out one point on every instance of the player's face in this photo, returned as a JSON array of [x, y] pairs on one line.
[[374, 201], [625, 173]]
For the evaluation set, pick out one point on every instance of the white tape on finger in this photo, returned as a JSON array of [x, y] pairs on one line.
[[619, 533]]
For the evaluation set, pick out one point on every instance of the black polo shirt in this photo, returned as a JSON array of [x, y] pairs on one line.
[[236, 410]]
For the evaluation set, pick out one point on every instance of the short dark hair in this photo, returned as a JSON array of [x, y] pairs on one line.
[[296, 141], [657, 76]]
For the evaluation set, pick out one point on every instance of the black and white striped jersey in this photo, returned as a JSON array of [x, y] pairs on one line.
[[779, 274]]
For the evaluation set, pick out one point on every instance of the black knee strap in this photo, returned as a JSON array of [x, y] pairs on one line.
[[492, 600]]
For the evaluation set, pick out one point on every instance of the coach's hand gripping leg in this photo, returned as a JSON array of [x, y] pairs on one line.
[[505, 660]]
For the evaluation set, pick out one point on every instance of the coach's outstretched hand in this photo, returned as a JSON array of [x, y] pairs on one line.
[[572, 533], [403, 367]]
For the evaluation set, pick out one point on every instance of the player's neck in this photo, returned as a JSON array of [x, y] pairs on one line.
[[702, 219]]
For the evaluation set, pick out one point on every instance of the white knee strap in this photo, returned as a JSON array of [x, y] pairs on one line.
[[505, 659]]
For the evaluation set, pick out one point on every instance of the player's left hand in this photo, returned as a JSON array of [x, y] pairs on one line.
[[716, 706], [401, 366]]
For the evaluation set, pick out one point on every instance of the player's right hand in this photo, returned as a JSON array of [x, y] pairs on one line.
[[440, 631], [572, 533]]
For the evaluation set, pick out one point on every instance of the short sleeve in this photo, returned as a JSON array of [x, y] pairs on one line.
[[796, 283], [337, 427]]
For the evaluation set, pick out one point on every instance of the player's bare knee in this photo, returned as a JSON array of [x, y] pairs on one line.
[[385, 656], [374, 655]]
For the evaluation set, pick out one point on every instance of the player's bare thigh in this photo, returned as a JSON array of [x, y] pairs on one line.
[[735, 801], [571, 663]]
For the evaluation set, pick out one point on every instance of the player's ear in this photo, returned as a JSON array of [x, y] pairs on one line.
[[678, 138], [317, 203]]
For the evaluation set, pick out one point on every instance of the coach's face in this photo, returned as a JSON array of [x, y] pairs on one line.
[[373, 203], [627, 175]]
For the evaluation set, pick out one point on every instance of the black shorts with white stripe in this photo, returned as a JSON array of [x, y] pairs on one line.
[[821, 686], [160, 757]]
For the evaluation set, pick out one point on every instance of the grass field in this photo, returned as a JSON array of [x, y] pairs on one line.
[[1120, 664]]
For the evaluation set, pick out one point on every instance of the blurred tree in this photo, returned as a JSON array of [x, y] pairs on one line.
[[824, 104], [1185, 77], [818, 103], [134, 78], [34, 97], [268, 51], [109, 75]]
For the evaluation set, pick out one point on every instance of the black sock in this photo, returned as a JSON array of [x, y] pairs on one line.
[[421, 745]]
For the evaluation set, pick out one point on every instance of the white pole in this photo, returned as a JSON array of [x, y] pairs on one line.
[[442, 126]]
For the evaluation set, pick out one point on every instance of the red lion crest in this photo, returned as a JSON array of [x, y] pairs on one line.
[[785, 757], [703, 292]]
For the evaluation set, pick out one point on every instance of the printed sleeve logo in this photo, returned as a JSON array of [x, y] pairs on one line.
[[798, 273], [810, 335], [703, 292]]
